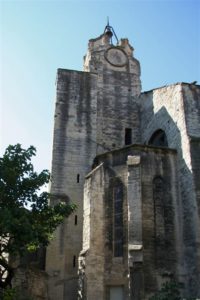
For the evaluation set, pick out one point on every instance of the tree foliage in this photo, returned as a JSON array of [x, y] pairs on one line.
[[26, 219]]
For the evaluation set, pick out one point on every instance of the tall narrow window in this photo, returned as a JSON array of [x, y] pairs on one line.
[[78, 178], [128, 136], [74, 261], [75, 220], [118, 220]]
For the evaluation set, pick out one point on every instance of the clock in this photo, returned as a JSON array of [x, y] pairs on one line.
[[116, 57]]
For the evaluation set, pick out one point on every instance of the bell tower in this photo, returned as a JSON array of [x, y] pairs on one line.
[[118, 85], [96, 111], [103, 56]]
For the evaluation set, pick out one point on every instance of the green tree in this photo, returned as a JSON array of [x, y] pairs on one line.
[[26, 219]]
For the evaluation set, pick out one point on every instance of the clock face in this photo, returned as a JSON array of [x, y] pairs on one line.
[[116, 57]]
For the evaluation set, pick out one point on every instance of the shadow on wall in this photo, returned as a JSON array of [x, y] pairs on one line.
[[161, 127]]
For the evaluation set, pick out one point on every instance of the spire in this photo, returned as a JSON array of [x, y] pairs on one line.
[[109, 31]]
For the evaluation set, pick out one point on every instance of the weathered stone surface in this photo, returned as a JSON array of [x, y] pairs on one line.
[[89, 106], [31, 283], [141, 203], [139, 227], [175, 109]]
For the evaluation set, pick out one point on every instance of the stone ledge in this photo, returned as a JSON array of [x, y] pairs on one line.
[[132, 247], [133, 160]]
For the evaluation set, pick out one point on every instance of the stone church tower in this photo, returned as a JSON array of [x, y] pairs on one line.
[[131, 163]]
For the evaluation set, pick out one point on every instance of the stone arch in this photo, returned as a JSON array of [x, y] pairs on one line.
[[159, 139]]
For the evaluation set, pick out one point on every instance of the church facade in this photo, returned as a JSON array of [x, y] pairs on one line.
[[130, 160]]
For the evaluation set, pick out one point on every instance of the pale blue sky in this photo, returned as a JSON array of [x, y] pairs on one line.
[[37, 37]]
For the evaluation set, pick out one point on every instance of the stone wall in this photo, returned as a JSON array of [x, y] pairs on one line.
[[175, 110], [117, 110], [93, 248], [73, 151], [118, 89], [191, 100], [30, 284]]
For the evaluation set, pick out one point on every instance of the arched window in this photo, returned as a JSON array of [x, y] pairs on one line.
[[118, 220], [159, 139]]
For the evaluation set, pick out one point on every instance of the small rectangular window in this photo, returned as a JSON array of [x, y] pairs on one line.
[[128, 136]]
